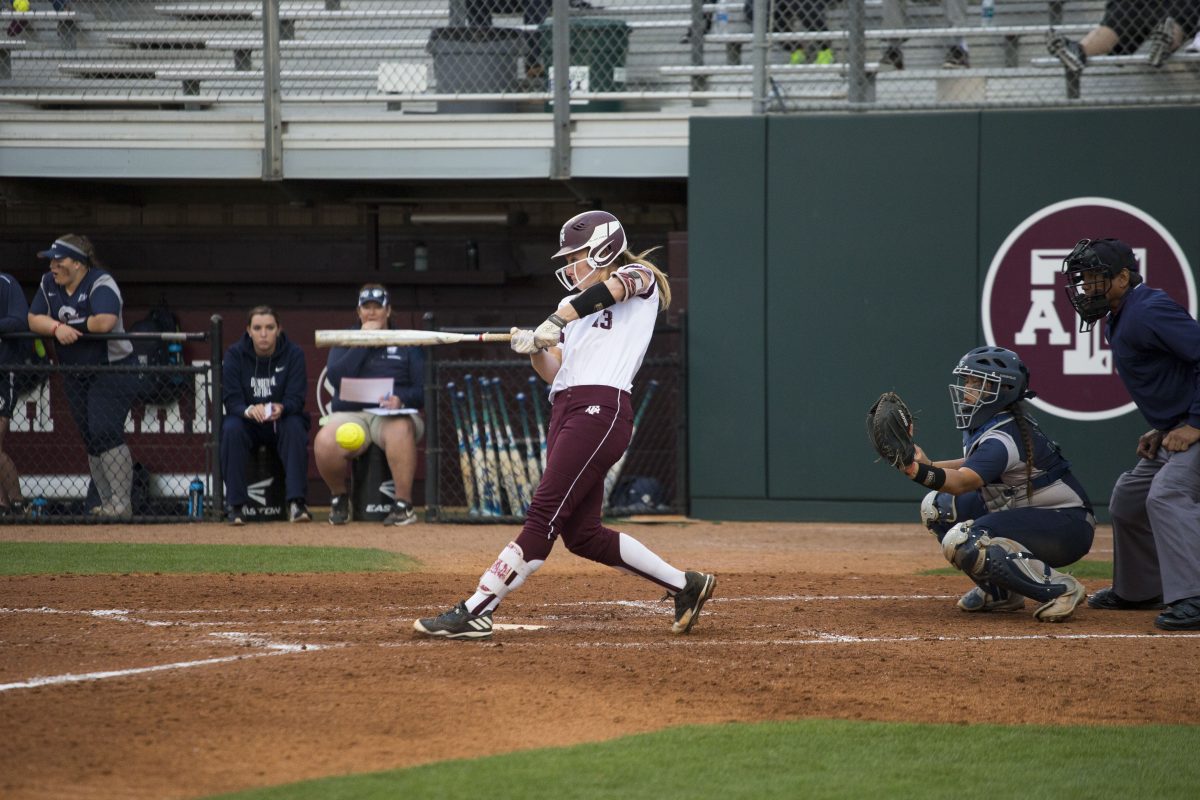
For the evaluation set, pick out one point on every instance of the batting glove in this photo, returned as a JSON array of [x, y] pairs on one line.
[[522, 342], [549, 333]]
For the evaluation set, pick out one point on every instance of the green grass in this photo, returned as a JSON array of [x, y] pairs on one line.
[[807, 759], [89, 558], [1080, 569]]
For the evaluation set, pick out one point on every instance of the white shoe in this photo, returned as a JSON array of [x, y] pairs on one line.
[[1063, 606], [979, 600]]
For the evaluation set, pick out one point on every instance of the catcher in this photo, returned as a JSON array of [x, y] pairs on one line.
[[1009, 511]]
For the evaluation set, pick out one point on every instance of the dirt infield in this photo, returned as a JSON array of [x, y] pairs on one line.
[[184, 686]]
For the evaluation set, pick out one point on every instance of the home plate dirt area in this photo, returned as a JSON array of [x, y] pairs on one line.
[[184, 686]]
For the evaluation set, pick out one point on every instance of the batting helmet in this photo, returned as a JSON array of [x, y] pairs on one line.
[[599, 232], [987, 380]]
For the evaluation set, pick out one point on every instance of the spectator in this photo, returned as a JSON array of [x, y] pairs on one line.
[[396, 435], [1125, 26], [1155, 506], [263, 384], [1009, 511], [14, 317], [895, 15], [794, 16], [75, 298]]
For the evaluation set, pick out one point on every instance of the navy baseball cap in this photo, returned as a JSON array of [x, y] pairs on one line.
[[61, 249], [1115, 254], [373, 295]]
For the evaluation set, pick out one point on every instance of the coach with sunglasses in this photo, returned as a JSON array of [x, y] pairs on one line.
[[380, 419], [1155, 506]]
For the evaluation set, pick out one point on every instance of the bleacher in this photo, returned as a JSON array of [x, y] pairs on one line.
[[204, 53]]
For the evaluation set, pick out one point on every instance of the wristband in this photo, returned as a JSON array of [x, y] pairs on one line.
[[929, 475], [593, 299]]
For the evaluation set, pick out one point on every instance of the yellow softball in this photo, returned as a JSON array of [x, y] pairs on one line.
[[20, 6], [350, 435]]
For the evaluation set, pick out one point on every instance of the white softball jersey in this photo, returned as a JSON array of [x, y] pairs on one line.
[[606, 347]]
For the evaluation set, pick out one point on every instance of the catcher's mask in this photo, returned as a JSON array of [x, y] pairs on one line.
[[1090, 268], [600, 233], [986, 381]]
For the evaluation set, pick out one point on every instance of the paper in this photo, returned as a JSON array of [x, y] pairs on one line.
[[390, 412], [365, 390]]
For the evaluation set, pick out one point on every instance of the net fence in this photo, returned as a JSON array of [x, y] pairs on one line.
[[489, 446], [499, 55], [107, 444]]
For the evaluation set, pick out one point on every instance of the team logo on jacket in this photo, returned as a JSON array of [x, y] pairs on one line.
[[1026, 309], [593, 410]]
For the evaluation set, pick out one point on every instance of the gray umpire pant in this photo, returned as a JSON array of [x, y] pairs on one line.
[[1156, 527]]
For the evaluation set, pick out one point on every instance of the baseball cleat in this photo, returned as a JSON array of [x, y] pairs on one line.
[[457, 623], [1062, 607], [979, 600], [697, 588]]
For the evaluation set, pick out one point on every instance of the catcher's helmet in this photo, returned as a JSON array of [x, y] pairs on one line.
[[599, 232], [1090, 268], [987, 380]]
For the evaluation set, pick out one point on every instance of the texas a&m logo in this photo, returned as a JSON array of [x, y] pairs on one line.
[[1026, 309]]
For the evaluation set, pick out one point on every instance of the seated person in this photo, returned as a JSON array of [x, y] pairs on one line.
[[1125, 26], [264, 382], [396, 435]]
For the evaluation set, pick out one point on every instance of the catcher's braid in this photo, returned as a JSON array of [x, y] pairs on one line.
[[890, 429]]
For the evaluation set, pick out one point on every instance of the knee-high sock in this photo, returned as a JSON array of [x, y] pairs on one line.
[[508, 572], [100, 478], [641, 560], [117, 465]]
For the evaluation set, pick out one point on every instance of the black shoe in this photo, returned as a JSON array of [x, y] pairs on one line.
[[456, 623], [697, 588], [235, 516], [339, 510], [17, 508], [956, 58], [1109, 600], [892, 56], [401, 514], [1067, 51], [298, 512], [1183, 615]]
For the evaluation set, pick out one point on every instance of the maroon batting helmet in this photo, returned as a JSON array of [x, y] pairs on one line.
[[599, 232]]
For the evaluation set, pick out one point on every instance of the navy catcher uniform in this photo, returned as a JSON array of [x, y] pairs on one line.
[[589, 352], [1010, 511]]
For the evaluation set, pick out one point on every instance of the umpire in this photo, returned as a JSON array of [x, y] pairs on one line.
[[1156, 505]]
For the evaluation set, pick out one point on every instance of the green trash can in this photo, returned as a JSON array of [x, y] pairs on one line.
[[598, 48]]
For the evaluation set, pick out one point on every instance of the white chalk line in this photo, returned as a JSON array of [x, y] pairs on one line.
[[265, 645], [54, 680]]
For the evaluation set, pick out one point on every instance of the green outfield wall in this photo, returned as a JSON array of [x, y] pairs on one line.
[[833, 257]]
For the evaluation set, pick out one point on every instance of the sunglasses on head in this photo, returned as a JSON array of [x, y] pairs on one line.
[[373, 296]]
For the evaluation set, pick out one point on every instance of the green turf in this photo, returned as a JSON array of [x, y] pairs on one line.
[[808, 759], [1080, 569], [92, 558]]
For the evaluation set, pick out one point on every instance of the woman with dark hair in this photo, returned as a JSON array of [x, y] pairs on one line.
[[75, 298], [1009, 511]]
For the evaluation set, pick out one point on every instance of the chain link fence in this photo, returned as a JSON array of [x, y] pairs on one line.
[[109, 443], [486, 441], [498, 55]]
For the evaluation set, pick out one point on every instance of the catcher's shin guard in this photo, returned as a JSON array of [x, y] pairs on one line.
[[938, 512], [1008, 565]]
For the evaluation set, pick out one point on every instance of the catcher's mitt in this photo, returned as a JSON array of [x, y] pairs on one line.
[[890, 429]]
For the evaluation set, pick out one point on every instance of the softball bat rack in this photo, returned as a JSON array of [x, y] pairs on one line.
[[402, 338]]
